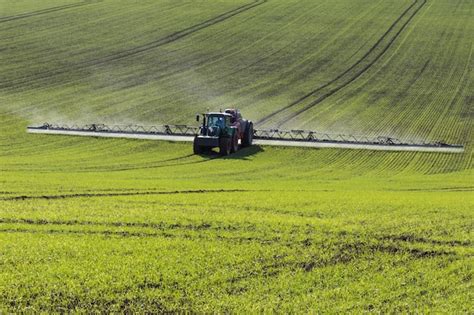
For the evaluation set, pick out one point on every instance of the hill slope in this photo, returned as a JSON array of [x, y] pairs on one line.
[[125, 225]]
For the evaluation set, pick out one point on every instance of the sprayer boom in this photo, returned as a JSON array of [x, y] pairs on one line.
[[272, 137]]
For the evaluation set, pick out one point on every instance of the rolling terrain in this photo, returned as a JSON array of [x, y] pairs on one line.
[[133, 225]]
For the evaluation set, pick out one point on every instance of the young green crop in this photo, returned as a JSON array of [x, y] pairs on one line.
[[113, 225]]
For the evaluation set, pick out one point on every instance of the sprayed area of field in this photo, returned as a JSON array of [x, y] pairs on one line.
[[134, 225]]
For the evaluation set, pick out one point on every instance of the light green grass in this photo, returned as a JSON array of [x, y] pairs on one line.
[[128, 225]]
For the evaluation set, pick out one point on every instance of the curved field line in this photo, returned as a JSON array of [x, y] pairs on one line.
[[130, 168], [138, 49], [85, 232], [366, 56], [46, 11], [141, 234], [126, 224], [212, 60], [380, 126], [441, 117], [137, 193], [122, 169], [356, 75], [423, 125]]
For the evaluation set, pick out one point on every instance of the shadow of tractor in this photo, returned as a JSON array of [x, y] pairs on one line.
[[241, 154], [245, 153]]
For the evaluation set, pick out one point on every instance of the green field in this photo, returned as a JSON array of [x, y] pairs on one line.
[[116, 225]]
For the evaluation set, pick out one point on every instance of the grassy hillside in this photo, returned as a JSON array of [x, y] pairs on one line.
[[128, 225]]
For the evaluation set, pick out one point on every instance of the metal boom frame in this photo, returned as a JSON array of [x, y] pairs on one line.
[[304, 138]]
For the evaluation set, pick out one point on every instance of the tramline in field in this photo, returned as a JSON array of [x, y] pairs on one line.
[[228, 131]]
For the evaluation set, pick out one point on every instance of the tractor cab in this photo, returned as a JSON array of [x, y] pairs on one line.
[[227, 131], [218, 120], [216, 124]]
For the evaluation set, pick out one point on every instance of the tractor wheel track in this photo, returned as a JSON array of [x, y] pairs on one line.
[[125, 224], [135, 50], [46, 11], [356, 75], [123, 194]]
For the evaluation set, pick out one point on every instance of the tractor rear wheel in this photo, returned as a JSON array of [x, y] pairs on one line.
[[235, 144], [248, 135], [224, 146], [197, 148]]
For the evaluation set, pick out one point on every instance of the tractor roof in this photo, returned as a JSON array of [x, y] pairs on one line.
[[218, 113]]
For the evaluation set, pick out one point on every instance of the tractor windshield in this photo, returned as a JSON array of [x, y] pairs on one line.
[[216, 121]]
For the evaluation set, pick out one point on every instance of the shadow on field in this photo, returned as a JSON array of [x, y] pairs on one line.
[[242, 154]]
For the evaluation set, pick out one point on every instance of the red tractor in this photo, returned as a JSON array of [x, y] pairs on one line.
[[225, 130]]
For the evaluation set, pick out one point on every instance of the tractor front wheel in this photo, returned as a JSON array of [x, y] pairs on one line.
[[197, 148], [224, 146]]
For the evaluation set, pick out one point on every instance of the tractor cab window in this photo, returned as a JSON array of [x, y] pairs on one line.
[[216, 121]]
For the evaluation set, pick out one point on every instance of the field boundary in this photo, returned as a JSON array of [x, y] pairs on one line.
[[357, 74]]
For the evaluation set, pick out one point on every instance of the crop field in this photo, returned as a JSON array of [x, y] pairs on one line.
[[116, 225]]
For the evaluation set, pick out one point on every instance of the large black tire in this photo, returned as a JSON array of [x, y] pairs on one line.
[[234, 147], [248, 135], [224, 146], [197, 148]]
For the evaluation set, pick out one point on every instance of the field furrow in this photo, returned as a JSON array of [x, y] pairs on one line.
[[353, 72]]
